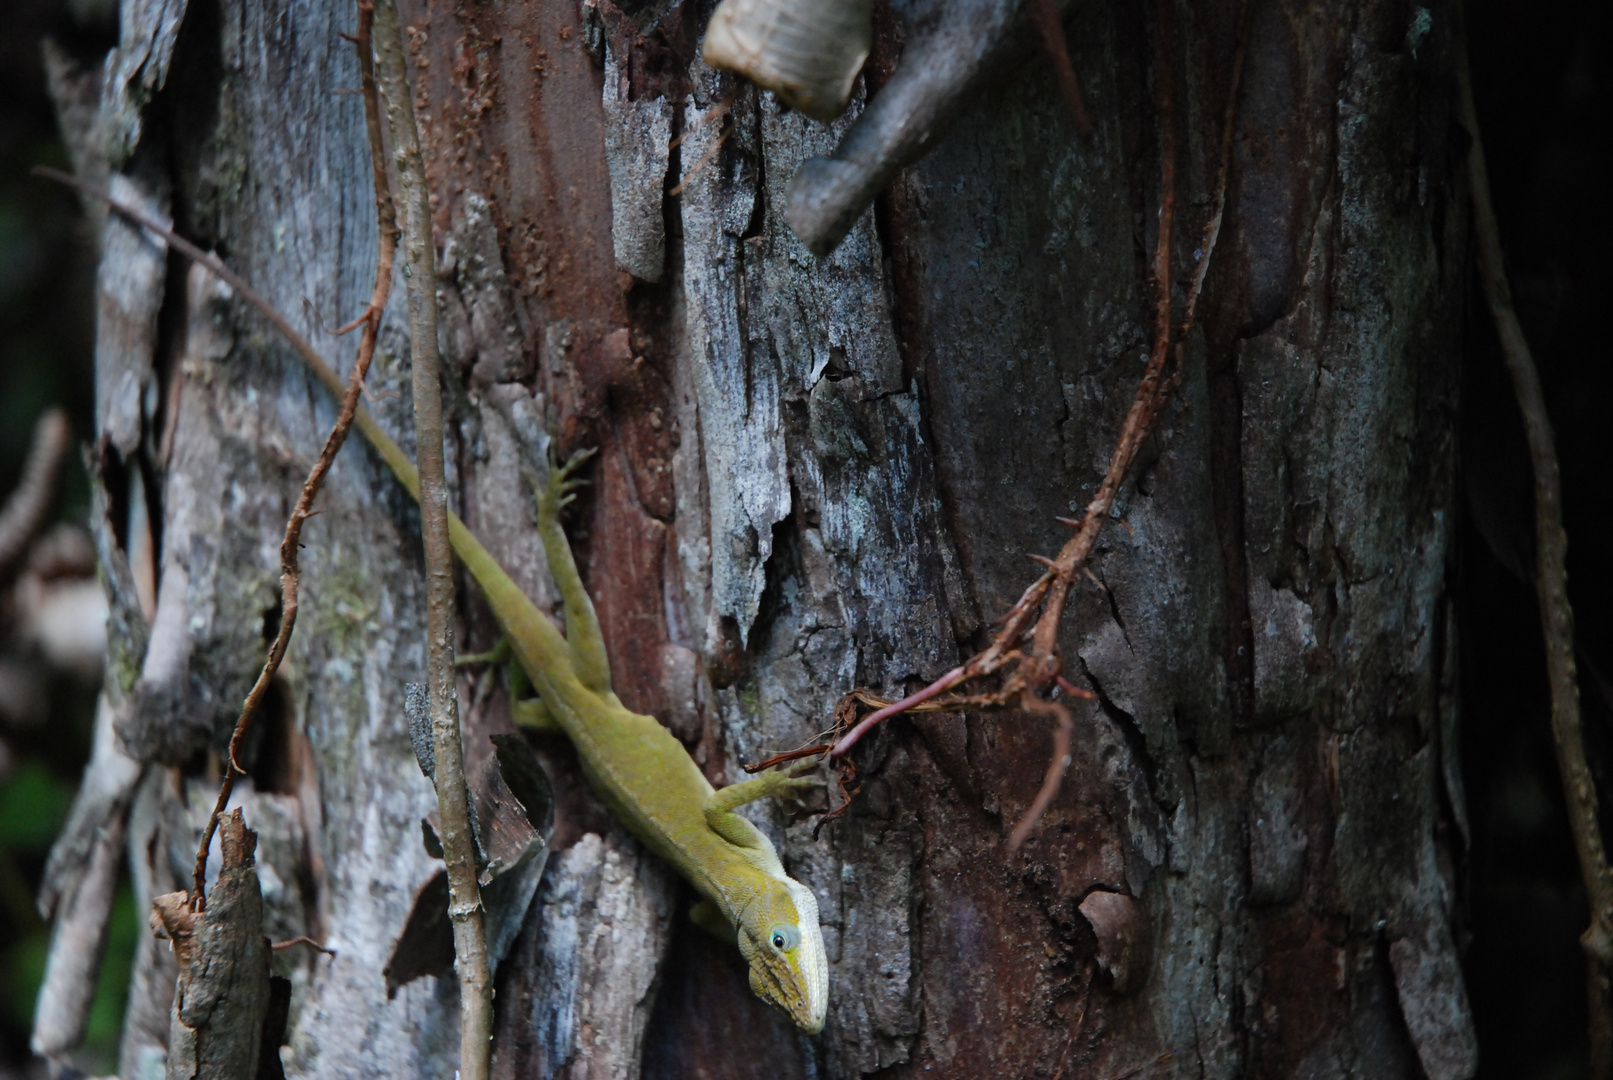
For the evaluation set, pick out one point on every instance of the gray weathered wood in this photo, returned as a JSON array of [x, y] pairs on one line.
[[822, 474]]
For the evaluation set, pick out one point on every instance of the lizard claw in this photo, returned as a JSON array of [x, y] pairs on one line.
[[561, 474], [555, 492], [795, 778]]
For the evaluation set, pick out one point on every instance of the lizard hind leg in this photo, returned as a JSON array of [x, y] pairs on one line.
[[527, 712], [554, 492]]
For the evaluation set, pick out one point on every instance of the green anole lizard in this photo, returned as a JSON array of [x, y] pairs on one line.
[[640, 771]]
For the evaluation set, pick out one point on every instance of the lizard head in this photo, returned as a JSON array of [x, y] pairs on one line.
[[780, 939]]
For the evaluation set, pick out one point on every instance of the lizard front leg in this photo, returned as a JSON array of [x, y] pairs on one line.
[[722, 803], [587, 644]]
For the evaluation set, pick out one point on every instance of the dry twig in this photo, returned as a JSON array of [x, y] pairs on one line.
[[26, 507], [291, 943], [1551, 591], [1080, 1019], [349, 413], [718, 114], [459, 845]]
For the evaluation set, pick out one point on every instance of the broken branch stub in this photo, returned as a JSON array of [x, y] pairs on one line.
[[966, 41], [221, 1000]]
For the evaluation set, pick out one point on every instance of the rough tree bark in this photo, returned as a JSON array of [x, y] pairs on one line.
[[815, 475]]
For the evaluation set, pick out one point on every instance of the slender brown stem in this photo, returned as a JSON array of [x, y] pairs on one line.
[[713, 115], [939, 686], [1145, 406], [1148, 400], [1057, 765], [289, 547], [291, 943], [1075, 1029], [1075, 691], [386, 214], [396, 460], [1044, 15], [216, 267], [458, 843], [1551, 590], [705, 159]]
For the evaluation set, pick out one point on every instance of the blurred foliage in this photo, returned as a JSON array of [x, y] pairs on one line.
[[33, 805], [34, 801]]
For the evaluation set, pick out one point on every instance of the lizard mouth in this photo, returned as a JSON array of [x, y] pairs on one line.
[[807, 1022], [783, 989]]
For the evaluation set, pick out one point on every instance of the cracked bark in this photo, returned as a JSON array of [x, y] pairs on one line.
[[816, 474]]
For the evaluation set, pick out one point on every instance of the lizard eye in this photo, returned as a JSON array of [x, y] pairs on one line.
[[784, 937]]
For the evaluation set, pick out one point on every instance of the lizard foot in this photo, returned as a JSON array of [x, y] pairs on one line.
[[556, 491], [498, 655], [787, 782], [777, 783]]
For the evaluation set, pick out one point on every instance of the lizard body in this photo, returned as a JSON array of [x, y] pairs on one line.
[[638, 768]]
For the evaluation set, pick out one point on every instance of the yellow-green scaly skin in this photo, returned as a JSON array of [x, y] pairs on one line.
[[643, 774]]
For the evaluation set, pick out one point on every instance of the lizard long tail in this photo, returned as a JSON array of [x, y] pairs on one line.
[[520, 618]]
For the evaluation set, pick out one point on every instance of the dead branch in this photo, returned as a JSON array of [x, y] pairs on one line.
[[1080, 1019], [25, 509], [717, 114], [291, 943], [1551, 590], [458, 843], [1056, 766], [77, 944], [349, 411], [221, 999], [396, 460]]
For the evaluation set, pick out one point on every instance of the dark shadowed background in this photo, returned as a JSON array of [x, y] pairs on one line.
[[1544, 91]]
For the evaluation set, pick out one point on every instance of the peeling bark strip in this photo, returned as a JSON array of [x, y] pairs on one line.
[[587, 966], [637, 138], [81, 910]]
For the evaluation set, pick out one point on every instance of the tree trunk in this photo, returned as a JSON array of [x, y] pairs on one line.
[[816, 475]]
